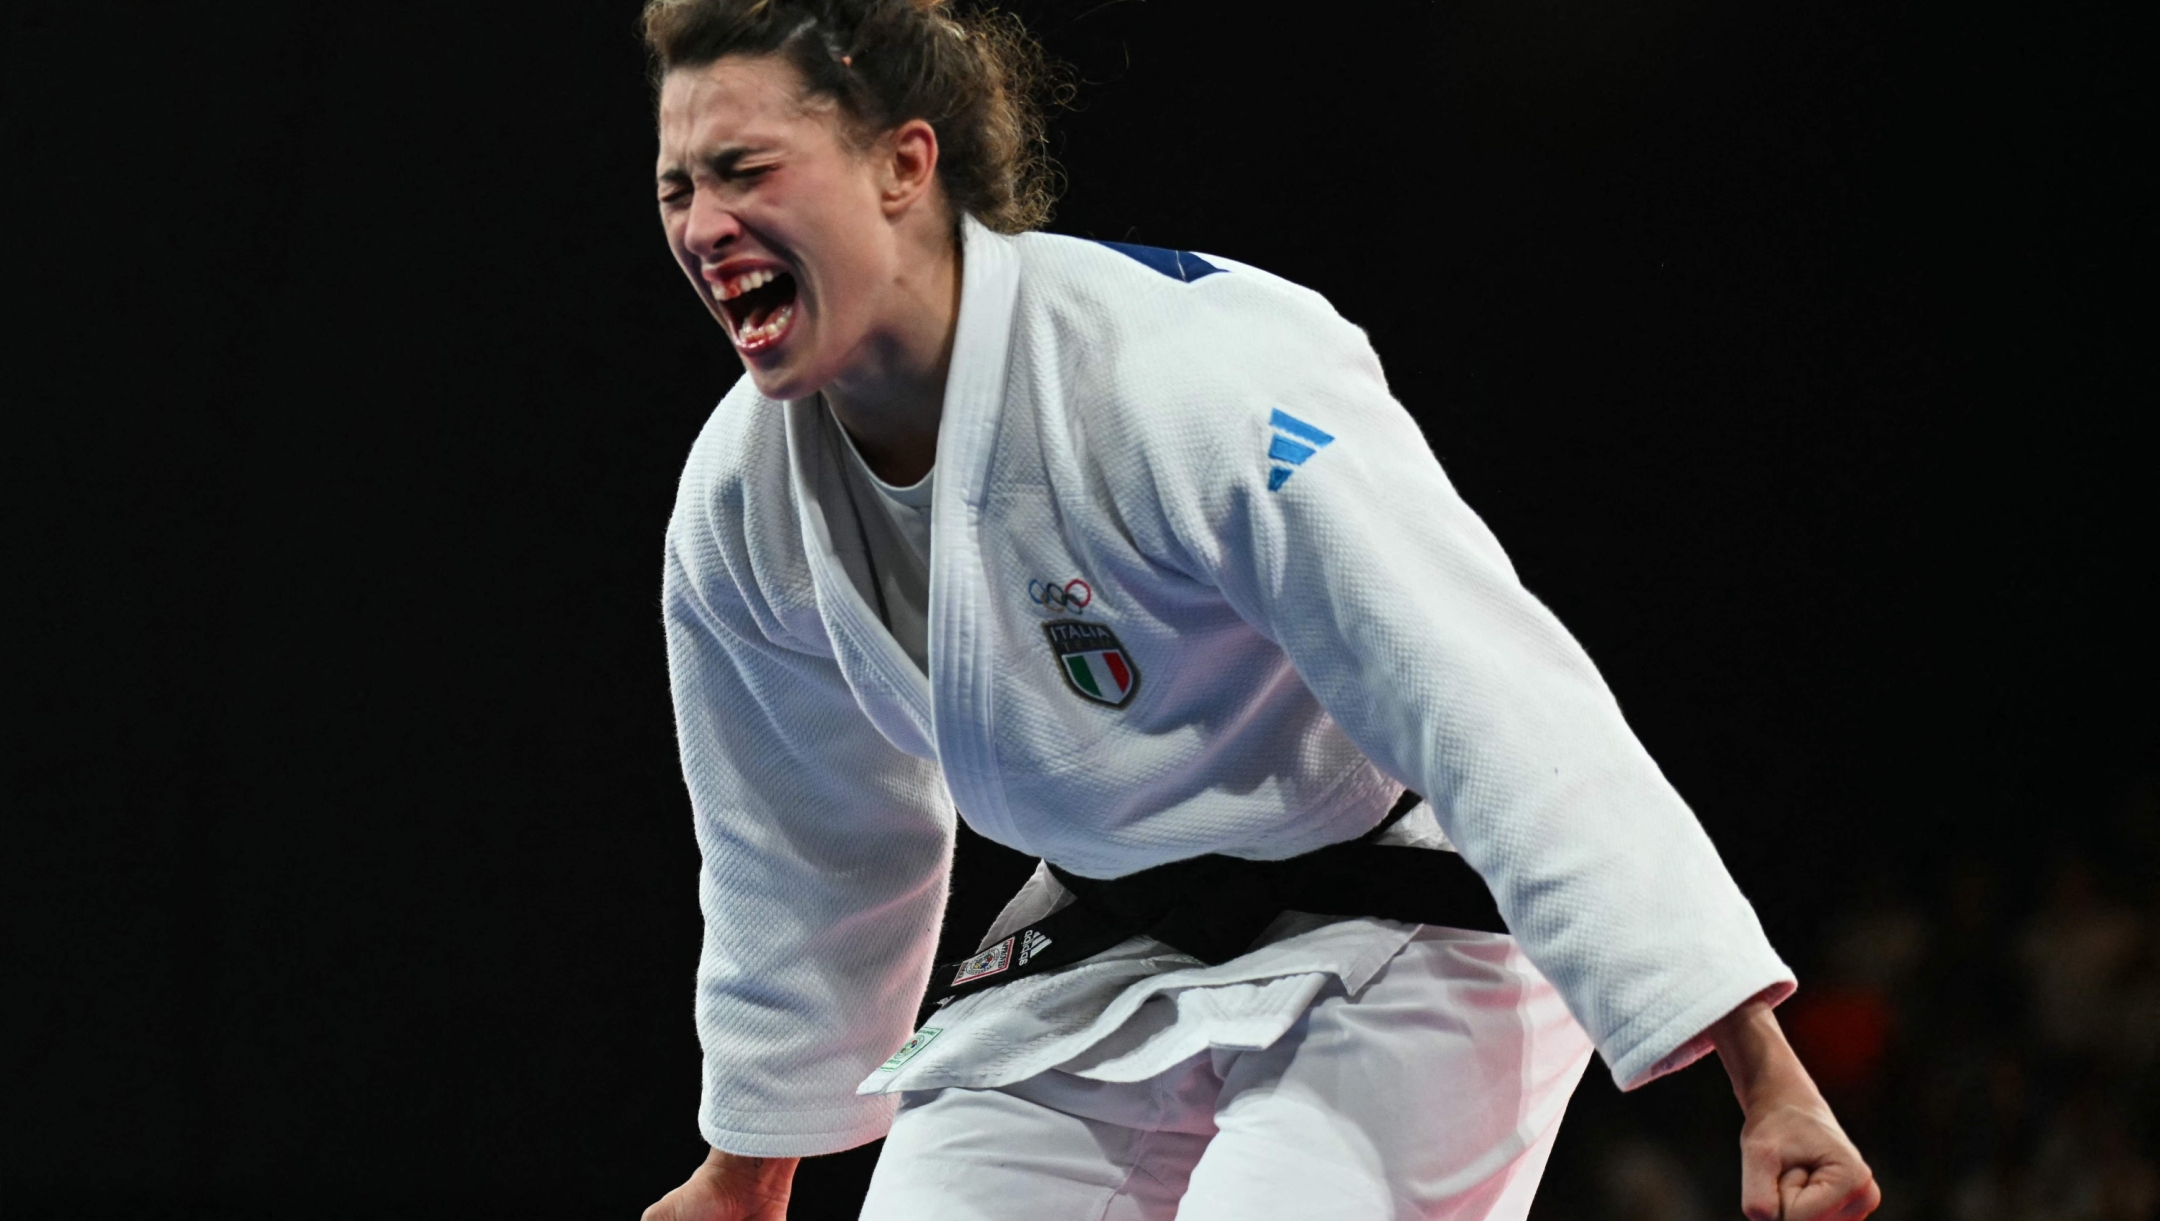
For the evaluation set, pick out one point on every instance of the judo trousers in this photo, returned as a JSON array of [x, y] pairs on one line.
[[1435, 1092]]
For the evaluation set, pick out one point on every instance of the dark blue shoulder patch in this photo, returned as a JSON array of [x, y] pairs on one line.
[[1177, 264]]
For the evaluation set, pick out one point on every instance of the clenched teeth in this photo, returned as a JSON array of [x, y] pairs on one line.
[[736, 286], [751, 338]]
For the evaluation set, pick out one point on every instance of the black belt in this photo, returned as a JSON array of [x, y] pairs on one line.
[[1215, 907]]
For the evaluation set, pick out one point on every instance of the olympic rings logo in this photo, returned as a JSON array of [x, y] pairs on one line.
[[1073, 596]]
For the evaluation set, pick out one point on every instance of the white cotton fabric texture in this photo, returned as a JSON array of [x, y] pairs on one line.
[[1303, 654], [1357, 1111]]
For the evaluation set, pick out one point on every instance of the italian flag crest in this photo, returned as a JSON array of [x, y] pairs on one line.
[[1094, 663]]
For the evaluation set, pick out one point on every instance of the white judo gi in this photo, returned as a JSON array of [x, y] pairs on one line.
[[1273, 613]]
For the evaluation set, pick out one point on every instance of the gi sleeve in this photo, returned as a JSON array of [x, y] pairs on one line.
[[826, 852], [1316, 507]]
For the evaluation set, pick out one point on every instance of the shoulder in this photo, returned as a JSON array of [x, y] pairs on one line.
[[1192, 358], [734, 537], [745, 433], [1151, 298]]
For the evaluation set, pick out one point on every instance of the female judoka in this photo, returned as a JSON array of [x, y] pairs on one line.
[[1128, 558]]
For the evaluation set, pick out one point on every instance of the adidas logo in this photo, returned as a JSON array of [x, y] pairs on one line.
[[1295, 441], [1031, 944]]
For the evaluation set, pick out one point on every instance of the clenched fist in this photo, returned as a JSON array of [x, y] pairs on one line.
[[1796, 1164]]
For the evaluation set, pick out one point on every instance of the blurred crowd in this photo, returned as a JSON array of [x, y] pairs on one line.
[[1988, 1028]]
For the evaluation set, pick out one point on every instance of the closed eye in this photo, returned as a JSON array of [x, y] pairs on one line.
[[727, 165]]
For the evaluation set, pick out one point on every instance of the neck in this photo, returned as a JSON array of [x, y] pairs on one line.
[[891, 402]]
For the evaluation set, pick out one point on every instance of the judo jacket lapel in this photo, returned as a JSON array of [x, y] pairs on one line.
[[896, 696], [888, 687], [960, 586]]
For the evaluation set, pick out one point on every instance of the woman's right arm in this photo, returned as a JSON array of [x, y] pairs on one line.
[[825, 853]]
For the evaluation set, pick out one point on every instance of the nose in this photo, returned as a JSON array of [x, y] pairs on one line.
[[712, 226]]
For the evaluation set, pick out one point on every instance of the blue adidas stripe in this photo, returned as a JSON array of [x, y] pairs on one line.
[[1283, 422], [1286, 450]]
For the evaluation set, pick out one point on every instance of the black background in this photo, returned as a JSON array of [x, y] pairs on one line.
[[1798, 353]]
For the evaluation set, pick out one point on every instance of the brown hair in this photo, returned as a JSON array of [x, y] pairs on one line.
[[973, 76]]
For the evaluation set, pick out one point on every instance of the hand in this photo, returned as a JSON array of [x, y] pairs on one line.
[[729, 1187], [1796, 1164]]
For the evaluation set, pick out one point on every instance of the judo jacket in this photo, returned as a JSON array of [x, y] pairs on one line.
[[1198, 585]]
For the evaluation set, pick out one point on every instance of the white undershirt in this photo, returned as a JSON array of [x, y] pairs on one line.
[[896, 533]]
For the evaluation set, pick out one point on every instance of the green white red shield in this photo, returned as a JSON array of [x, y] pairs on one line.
[[1093, 661]]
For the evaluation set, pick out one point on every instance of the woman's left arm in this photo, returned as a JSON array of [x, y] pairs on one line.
[[1796, 1164], [1283, 473], [1291, 481]]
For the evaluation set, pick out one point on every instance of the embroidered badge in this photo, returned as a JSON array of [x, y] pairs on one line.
[[1031, 944], [916, 1042], [1294, 441], [1072, 597], [991, 961], [1093, 661]]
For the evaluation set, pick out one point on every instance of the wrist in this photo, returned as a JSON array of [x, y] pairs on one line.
[[745, 1170], [1761, 1064]]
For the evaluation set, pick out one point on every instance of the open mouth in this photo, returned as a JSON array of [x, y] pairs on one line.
[[758, 306]]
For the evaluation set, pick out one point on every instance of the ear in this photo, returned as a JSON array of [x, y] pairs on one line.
[[911, 155]]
